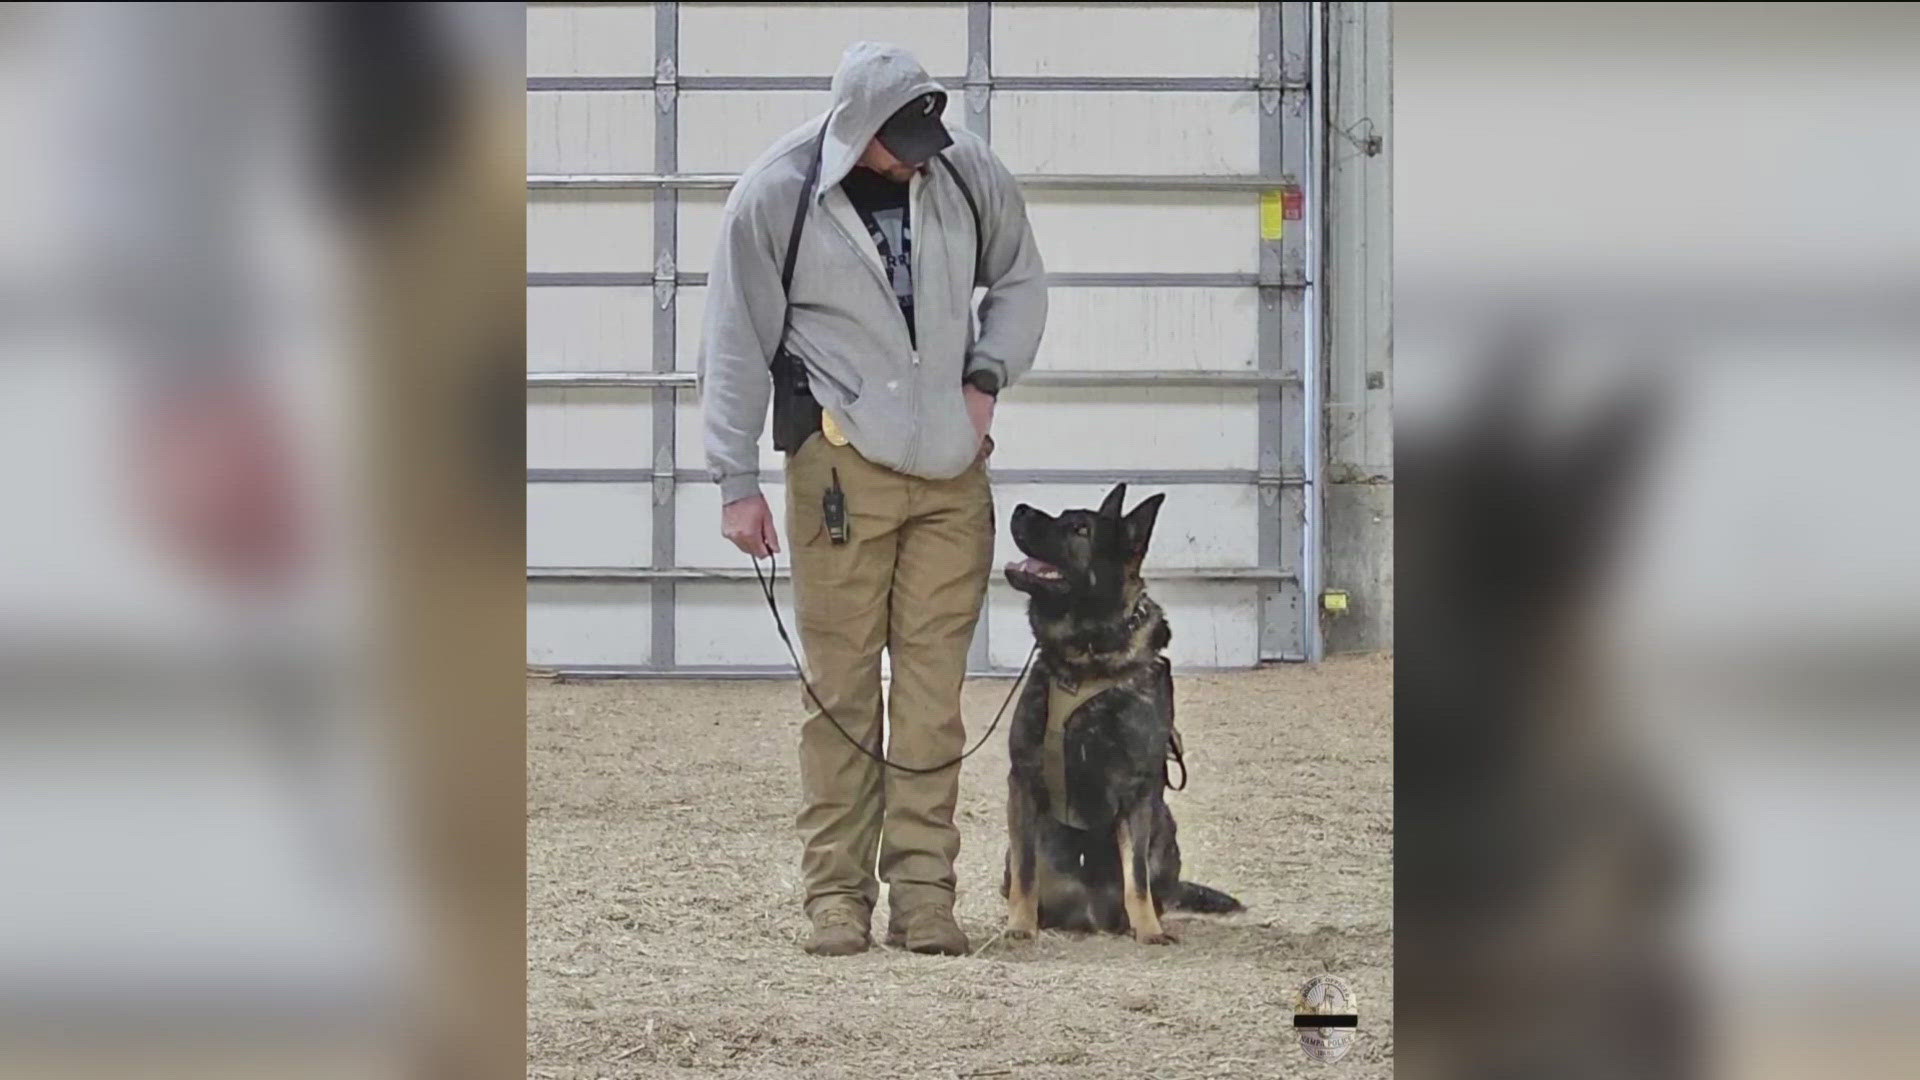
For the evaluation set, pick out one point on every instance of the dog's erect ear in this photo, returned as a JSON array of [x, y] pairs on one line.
[[1114, 501], [1140, 525]]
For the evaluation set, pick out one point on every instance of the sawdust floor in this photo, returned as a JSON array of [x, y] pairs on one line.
[[664, 926]]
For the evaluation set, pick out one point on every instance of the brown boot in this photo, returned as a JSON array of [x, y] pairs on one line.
[[928, 929], [838, 931]]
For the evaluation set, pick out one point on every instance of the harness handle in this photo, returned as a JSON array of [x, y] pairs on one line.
[[1174, 755], [766, 589], [1175, 752]]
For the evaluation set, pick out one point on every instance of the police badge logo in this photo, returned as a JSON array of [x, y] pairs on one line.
[[1326, 1017]]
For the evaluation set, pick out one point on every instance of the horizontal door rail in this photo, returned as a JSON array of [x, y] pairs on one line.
[[954, 84], [1142, 477], [756, 671], [649, 380], [1039, 181], [1058, 280], [746, 573]]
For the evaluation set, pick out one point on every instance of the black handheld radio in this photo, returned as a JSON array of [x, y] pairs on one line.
[[833, 506]]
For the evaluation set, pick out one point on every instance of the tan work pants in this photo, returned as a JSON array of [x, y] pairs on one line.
[[910, 579]]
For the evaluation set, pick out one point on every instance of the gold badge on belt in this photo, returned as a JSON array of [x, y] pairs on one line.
[[831, 429]]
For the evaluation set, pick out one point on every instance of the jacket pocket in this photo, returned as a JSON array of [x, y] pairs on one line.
[[845, 385], [951, 444], [845, 389]]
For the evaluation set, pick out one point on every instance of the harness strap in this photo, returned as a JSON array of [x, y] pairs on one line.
[[793, 237], [1176, 757], [979, 234], [1061, 705], [1176, 752]]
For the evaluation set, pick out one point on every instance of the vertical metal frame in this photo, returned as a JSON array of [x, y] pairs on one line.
[[980, 122], [979, 80], [666, 234], [1298, 351], [1267, 347], [1312, 133], [1285, 337]]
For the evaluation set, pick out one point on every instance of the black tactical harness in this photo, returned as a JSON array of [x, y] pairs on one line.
[[1064, 697]]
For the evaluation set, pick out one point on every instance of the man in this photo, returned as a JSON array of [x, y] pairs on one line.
[[889, 256]]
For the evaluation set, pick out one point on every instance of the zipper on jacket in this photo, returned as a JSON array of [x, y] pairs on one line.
[[913, 261], [915, 205], [886, 287]]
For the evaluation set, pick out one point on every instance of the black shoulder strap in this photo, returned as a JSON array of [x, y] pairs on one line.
[[800, 224], [793, 238], [979, 234]]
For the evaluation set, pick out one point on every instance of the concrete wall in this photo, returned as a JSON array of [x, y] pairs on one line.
[[1357, 269]]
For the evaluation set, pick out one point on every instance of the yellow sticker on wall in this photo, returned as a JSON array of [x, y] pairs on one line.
[[1273, 216]]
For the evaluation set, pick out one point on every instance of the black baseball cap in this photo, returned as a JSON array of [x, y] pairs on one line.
[[914, 132]]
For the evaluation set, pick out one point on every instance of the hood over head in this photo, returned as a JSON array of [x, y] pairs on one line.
[[874, 81]]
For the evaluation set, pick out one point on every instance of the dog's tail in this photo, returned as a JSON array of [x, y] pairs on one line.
[[1188, 896]]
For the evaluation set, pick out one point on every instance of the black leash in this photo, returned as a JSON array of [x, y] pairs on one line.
[[766, 589]]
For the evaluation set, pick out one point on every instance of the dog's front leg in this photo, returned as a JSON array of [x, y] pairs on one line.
[[1023, 899], [1134, 833]]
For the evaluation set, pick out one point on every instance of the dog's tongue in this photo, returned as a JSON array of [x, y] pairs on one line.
[[1035, 567]]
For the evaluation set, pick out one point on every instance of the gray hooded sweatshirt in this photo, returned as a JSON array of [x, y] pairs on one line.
[[899, 406]]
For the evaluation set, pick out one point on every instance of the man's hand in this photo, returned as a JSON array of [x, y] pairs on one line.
[[218, 480], [979, 409], [749, 524]]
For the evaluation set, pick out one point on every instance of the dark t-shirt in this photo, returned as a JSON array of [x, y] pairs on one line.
[[882, 205]]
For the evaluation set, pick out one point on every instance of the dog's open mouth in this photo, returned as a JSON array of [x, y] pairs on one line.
[[1036, 568]]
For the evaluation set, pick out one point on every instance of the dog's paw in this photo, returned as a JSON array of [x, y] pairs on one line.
[[1019, 933], [1161, 938]]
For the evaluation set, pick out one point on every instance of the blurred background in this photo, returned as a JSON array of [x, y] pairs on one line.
[[260, 599], [1659, 574]]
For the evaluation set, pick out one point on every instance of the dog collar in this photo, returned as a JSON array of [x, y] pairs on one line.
[[1134, 618]]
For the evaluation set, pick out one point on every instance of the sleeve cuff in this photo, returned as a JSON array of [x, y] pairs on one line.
[[737, 486], [986, 367], [984, 381]]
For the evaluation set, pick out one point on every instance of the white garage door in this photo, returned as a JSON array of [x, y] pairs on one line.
[[1164, 150]]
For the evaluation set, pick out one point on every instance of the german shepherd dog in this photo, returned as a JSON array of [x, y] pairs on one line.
[[1091, 842], [1541, 865]]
